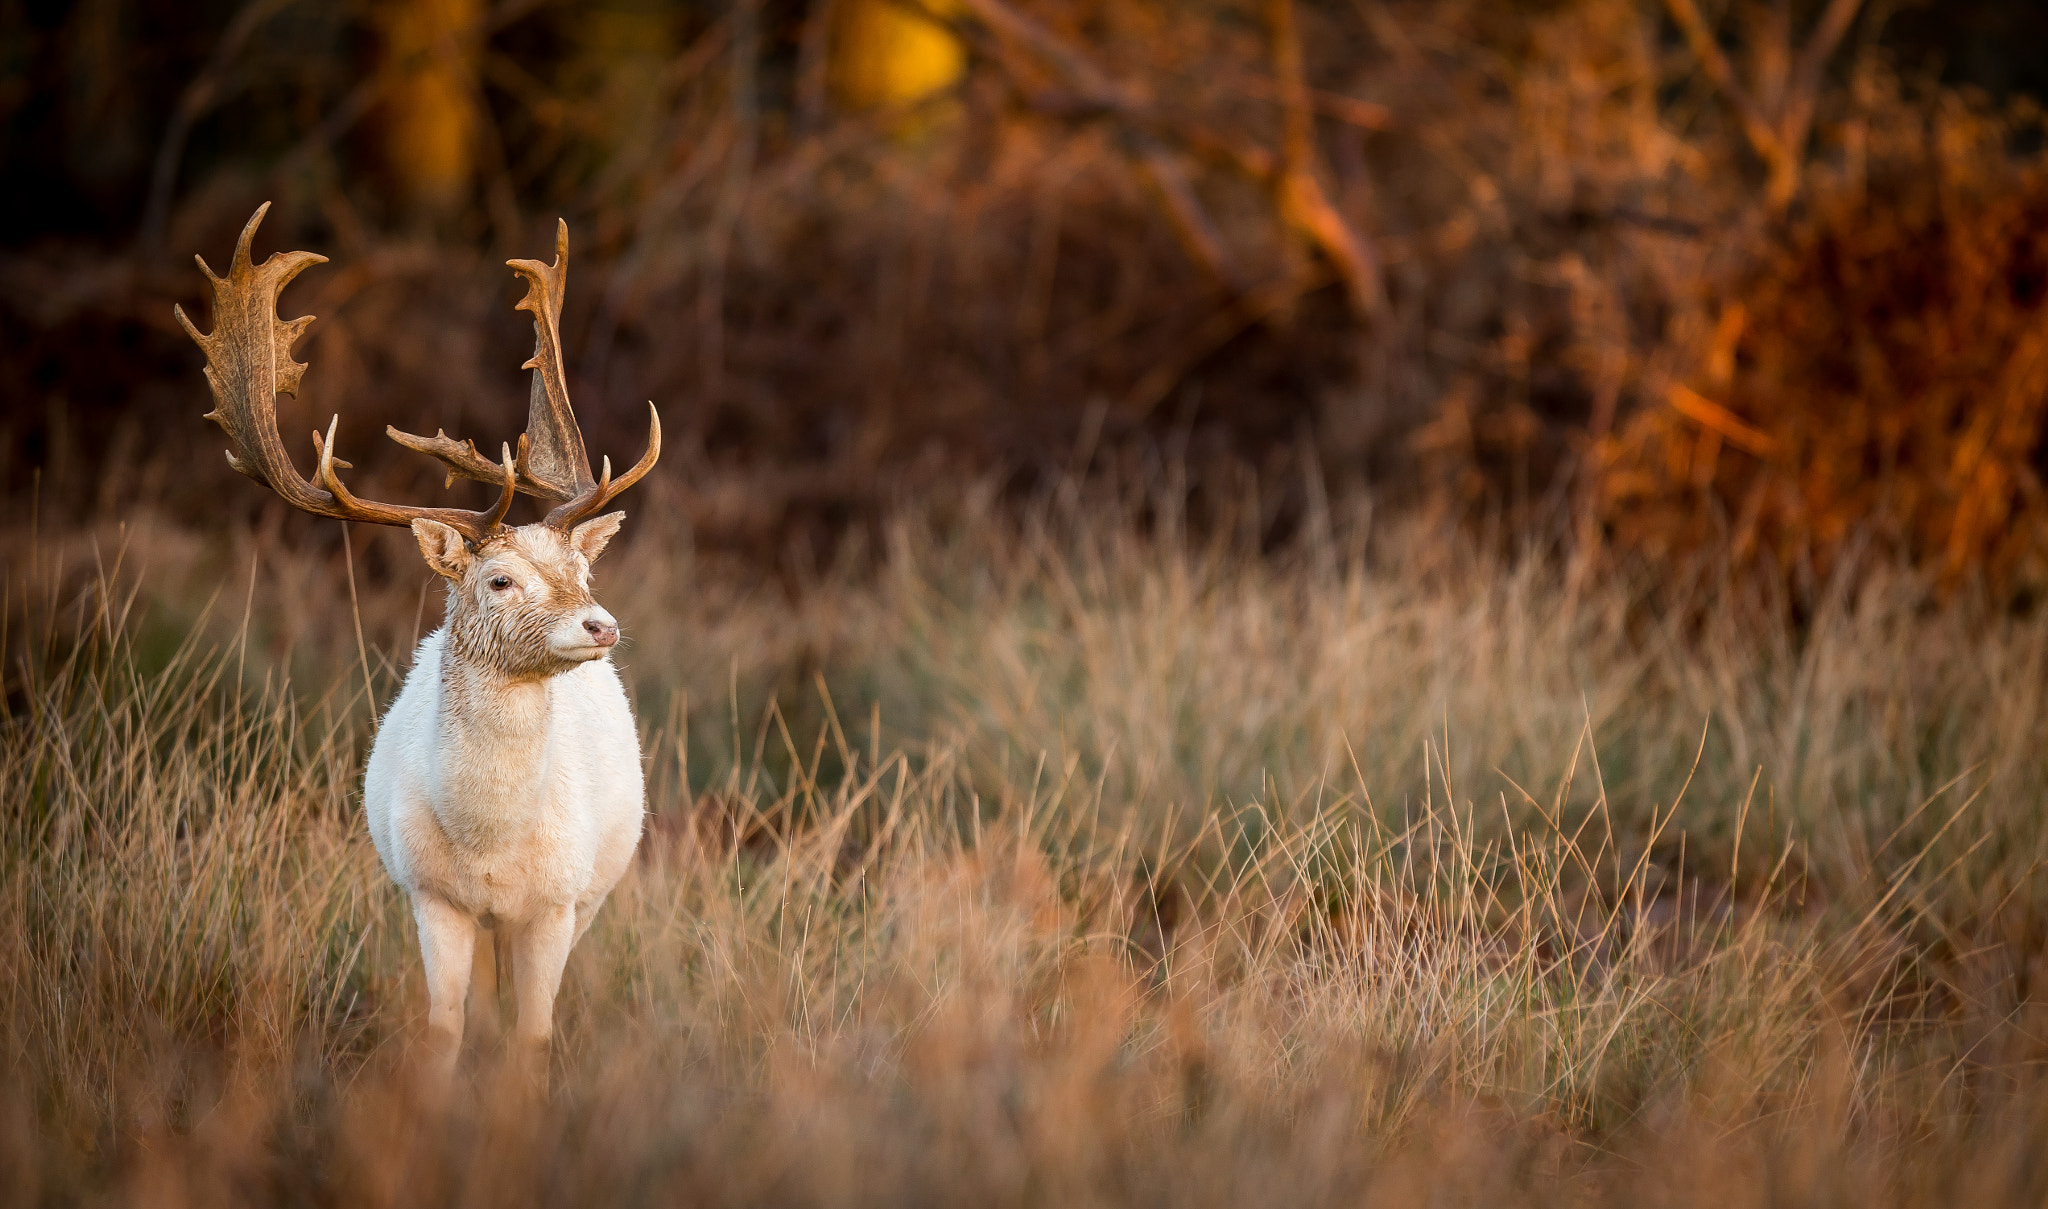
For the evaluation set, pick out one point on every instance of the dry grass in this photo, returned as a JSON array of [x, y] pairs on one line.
[[1061, 858], [1131, 827]]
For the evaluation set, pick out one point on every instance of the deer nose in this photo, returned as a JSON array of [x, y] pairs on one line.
[[603, 633]]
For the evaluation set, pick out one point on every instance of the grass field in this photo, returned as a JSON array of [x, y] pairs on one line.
[[1249, 602], [1057, 857]]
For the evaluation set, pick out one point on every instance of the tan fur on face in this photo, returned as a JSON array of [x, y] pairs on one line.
[[507, 631]]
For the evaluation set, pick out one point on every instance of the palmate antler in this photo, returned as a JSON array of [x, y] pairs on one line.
[[248, 363], [551, 463]]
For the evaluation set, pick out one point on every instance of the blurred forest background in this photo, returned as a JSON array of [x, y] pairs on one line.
[[1246, 601], [1767, 277]]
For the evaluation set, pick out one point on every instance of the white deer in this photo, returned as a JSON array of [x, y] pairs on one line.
[[504, 788]]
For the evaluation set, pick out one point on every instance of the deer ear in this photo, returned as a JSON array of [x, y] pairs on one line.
[[589, 538], [442, 547]]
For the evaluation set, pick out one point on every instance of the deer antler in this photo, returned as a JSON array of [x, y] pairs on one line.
[[551, 463], [248, 363], [556, 453]]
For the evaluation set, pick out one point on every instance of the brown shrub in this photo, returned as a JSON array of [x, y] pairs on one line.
[[1879, 377]]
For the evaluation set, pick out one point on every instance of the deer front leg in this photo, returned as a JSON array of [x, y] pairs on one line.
[[447, 948], [539, 951]]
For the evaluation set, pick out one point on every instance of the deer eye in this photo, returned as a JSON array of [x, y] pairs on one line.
[[500, 582]]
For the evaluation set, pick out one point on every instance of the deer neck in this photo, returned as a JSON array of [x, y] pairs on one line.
[[493, 750]]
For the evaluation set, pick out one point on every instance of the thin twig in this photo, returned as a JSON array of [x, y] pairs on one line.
[[356, 611], [1779, 138], [732, 196], [1304, 204], [1198, 234], [199, 96]]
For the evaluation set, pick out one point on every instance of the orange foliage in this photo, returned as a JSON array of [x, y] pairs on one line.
[[432, 114], [1879, 375]]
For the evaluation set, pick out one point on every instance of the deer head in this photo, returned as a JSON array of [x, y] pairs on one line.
[[519, 604], [519, 597]]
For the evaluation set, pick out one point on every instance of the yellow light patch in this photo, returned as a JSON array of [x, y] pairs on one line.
[[885, 54], [431, 115]]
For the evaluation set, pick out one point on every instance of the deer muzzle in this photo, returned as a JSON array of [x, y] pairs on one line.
[[584, 634]]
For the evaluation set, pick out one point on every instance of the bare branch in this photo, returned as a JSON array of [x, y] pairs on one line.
[[1778, 137], [1802, 93], [1200, 236], [1081, 73], [199, 96], [1304, 205], [1756, 125]]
